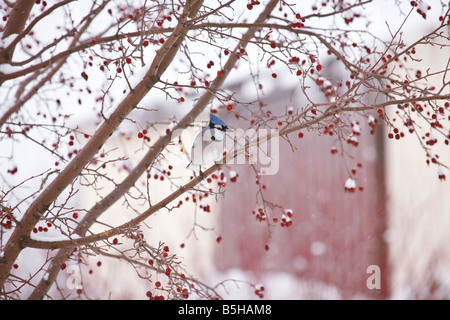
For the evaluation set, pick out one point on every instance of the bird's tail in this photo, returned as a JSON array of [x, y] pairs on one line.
[[192, 166]]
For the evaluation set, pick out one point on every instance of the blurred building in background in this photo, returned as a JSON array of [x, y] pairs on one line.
[[336, 233]]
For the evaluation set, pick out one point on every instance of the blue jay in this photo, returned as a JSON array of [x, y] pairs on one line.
[[208, 145]]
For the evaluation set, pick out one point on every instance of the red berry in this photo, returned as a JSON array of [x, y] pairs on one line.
[[84, 75]]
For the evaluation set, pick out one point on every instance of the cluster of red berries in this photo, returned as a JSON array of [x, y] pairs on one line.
[[252, 3], [5, 218], [143, 135], [259, 289]]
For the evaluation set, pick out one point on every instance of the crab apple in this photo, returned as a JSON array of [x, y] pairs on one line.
[[290, 110], [233, 176], [441, 174], [350, 185]]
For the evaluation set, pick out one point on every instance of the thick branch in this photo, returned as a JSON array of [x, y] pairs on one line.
[[37, 209], [22, 97], [148, 159], [16, 22]]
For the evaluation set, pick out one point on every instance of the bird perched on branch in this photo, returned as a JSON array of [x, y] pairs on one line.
[[208, 145]]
